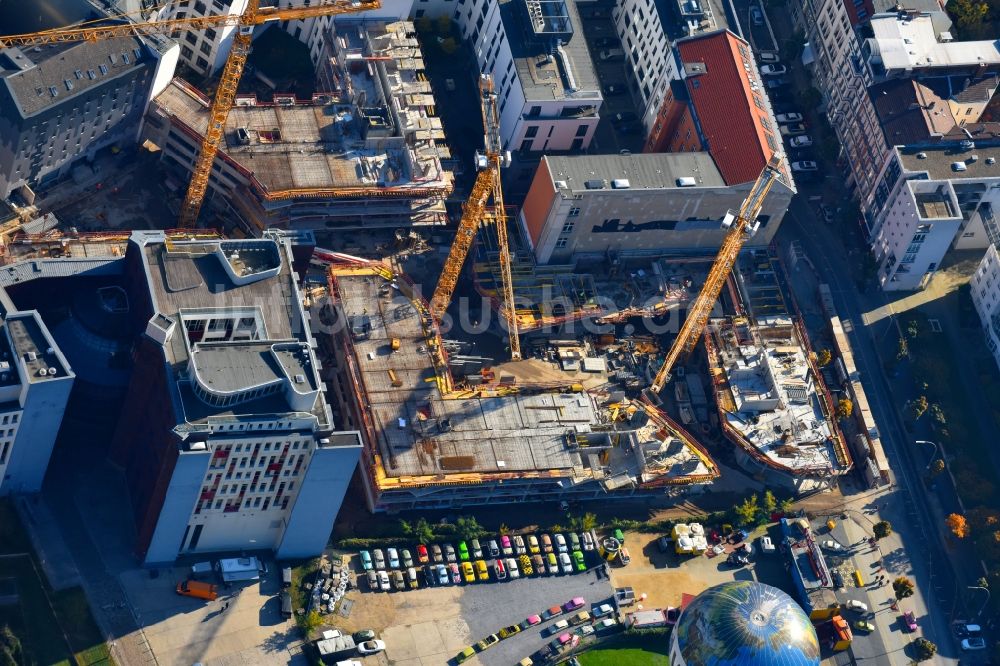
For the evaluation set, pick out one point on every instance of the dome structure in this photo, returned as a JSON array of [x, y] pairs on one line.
[[744, 623]]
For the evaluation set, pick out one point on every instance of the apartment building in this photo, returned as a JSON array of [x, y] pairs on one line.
[[833, 54], [929, 200], [585, 207], [985, 290], [61, 103], [35, 382], [367, 154], [226, 438]]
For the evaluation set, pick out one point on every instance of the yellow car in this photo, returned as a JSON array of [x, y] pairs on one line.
[[482, 573], [533, 547], [467, 574], [525, 563], [465, 655]]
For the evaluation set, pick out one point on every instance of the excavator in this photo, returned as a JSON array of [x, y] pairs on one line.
[[126, 25]]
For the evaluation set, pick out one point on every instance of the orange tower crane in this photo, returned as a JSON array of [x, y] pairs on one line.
[[254, 15], [476, 211], [741, 226]]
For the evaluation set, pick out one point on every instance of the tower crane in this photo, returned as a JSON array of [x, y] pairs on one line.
[[475, 212], [741, 226], [254, 15]]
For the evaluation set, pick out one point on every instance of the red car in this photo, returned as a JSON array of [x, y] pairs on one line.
[[422, 556]]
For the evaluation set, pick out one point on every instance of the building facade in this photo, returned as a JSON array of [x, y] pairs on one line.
[[226, 437], [985, 290], [61, 103], [590, 207], [650, 64]]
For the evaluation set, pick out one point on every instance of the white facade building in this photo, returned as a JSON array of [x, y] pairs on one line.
[[927, 201], [985, 289]]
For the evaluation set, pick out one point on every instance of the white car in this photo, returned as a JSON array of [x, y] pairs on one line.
[[830, 544], [393, 557], [561, 544], [565, 564], [371, 647], [602, 610], [756, 15], [769, 58], [970, 644], [585, 630], [766, 545], [800, 141], [805, 165], [858, 606], [773, 70], [512, 569], [383, 581], [784, 118]]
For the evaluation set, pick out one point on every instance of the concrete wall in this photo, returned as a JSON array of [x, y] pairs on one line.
[[323, 488], [180, 498]]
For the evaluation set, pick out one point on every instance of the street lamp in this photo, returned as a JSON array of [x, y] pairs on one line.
[[934, 455], [985, 601]]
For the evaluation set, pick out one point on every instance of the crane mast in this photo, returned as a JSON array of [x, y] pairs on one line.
[[222, 103], [741, 226], [475, 212]]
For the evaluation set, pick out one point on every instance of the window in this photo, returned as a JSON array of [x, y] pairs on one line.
[[200, 7], [202, 62], [419, 13], [206, 48], [535, 111], [574, 212], [526, 145], [210, 34], [581, 130], [577, 144], [190, 38], [560, 243], [531, 132], [568, 227]]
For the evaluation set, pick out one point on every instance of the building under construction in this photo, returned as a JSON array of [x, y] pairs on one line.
[[440, 434], [366, 155], [772, 402]]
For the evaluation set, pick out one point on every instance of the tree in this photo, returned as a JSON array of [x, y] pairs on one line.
[[449, 45], [912, 329], [311, 622], [882, 529], [918, 407], [770, 503], [936, 467], [969, 15], [903, 587], [824, 357], [10, 648], [469, 528], [844, 408], [746, 511], [589, 522], [504, 530], [423, 532], [903, 350], [925, 649], [957, 525], [444, 25], [786, 504], [405, 528]]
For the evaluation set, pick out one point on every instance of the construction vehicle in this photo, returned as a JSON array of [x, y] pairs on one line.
[[475, 212], [741, 226], [254, 15]]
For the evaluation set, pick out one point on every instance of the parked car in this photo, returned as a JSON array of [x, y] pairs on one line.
[[614, 89], [602, 610], [487, 642], [372, 581], [832, 545], [468, 573], [499, 569], [482, 573], [436, 553], [524, 563], [800, 141], [611, 54], [383, 581], [560, 543], [465, 655], [546, 543], [793, 129], [442, 575], [371, 647], [578, 561], [393, 558], [407, 558], [783, 118], [456, 575], [574, 541], [770, 58], [972, 644], [561, 625], [463, 551], [565, 565], [493, 548], [363, 635], [805, 165], [398, 582], [857, 606], [573, 604], [756, 15], [379, 558], [766, 545], [552, 563], [449, 553], [551, 613], [366, 560], [476, 549], [963, 630], [509, 631], [505, 546], [530, 621], [585, 630], [588, 541], [533, 546], [422, 554], [519, 547], [910, 620], [607, 624], [773, 70], [864, 625]]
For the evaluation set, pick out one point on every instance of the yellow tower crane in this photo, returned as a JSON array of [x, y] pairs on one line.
[[475, 212], [741, 226], [254, 15]]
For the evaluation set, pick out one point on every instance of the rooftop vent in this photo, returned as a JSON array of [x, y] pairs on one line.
[[958, 166], [991, 160], [594, 184], [32, 356], [921, 156], [561, 185], [620, 184], [686, 181], [300, 379], [103, 68]]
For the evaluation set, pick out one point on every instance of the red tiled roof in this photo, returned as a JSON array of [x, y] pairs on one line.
[[723, 102]]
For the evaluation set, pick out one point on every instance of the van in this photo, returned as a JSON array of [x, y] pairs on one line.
[[198, 590], [286, 577]]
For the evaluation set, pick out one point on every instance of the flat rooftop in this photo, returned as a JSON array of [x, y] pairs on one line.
[[309, 146], [907, 40], [543, 73], [938, 161], [34, 349], [934, 205], [420, 435], [642, 171]]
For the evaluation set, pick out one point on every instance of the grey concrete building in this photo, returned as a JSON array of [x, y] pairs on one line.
[[647, 204], [63, 102]]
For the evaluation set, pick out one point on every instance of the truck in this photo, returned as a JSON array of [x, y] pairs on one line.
[[238, 568], [332, 650], [198, 590]]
